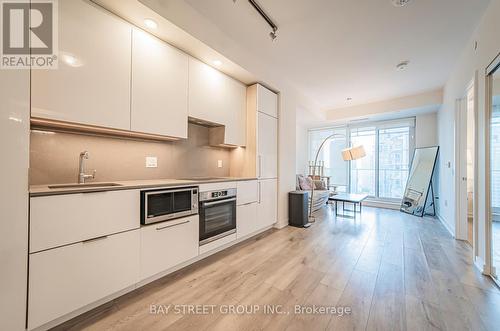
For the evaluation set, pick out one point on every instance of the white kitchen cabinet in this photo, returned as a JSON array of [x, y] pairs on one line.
[[267, 146], [159, 87], [267, 211], [217, 98], [247, 192], [167, 244], [92, 83], [267, 101], [235, 119], [58, 220], [206, 92], [247, 221], [67, 278]]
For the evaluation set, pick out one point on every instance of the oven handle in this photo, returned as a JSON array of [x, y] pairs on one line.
[[208, 204]]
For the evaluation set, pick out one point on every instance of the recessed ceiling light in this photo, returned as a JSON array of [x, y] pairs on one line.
[[150, 23], [402, 65], [400, 3], [349, 99], [217, 62]]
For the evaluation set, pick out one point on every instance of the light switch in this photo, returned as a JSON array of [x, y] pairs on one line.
[[151, 162], [219, 163]]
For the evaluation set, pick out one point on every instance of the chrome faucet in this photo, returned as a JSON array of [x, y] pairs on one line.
[[82, 176]]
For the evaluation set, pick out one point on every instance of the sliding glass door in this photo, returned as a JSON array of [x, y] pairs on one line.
[[383, 172], [495, 169], [394, 161], [363, 171]]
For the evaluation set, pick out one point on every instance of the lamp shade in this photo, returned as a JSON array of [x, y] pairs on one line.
[[353, 153]]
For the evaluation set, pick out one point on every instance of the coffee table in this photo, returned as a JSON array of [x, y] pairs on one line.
[[355, 199]]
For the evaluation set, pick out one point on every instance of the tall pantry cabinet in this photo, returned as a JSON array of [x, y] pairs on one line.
[[262, 112]]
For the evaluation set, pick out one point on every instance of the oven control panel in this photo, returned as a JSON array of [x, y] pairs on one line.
[[219, 194]]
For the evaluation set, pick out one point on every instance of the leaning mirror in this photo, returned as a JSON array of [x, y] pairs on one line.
[[419, 181]]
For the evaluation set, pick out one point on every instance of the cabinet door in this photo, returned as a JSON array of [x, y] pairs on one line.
[[58, 220], [92, 84], [267, 136], [67, 278], [159, 87], [167, 244], [235, 113], [247, 221], [267, 211], [247, 192], [206, 92], [267, 101]]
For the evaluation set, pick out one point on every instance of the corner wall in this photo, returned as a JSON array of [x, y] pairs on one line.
[[471, 62], [301, 145], [14, 148]]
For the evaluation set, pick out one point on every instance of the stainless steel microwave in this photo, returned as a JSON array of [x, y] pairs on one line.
[[166, 204]]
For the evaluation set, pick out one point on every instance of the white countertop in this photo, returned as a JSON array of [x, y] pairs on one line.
[[44, 190]]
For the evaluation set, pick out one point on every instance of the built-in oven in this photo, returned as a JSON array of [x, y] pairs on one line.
[[217, 214], [165, 204]]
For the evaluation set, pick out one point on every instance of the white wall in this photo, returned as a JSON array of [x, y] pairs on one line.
[[470, 62], [301, 145], [14, 148], [426, 130], [286, 154]]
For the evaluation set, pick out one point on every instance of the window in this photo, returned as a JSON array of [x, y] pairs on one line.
[[495, 159], [383, 172], [334, 166], [394, 161], [363, 170]]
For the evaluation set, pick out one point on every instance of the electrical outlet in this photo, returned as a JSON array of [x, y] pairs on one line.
[[219, 163], [151, 162]]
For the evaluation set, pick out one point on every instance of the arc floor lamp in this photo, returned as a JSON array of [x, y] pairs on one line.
[[348, 154]]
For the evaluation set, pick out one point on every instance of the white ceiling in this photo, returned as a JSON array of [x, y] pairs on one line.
[[329, 50]]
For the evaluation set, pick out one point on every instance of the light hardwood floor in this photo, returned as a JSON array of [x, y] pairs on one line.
[[395, 271]]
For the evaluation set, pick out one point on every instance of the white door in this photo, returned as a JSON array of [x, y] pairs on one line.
[[92, 84], [267, 211], [267, 151], [159, 87], [461, 169]]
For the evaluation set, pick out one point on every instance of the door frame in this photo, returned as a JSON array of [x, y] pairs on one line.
[[461, 214], [489, 267]]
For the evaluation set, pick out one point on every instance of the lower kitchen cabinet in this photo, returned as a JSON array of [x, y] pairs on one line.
[[165, 245], [64, 279], [267, 211], [247, 222]]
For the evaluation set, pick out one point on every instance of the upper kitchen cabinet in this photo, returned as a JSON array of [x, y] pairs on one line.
[[218, 98], [159, 87], [92, 84], [267, 101]]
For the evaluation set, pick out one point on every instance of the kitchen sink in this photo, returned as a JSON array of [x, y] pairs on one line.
[[59, 186]]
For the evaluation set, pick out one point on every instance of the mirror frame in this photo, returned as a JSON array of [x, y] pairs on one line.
[[429, 187]]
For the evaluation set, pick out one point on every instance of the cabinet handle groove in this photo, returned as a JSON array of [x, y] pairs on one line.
[[171, 225], [94, 239]]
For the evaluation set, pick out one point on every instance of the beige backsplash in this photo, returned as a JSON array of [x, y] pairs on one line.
[[54, 157]]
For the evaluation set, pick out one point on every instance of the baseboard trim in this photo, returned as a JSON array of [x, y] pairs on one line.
[[280, 225], [480, 265], [445, 224]]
